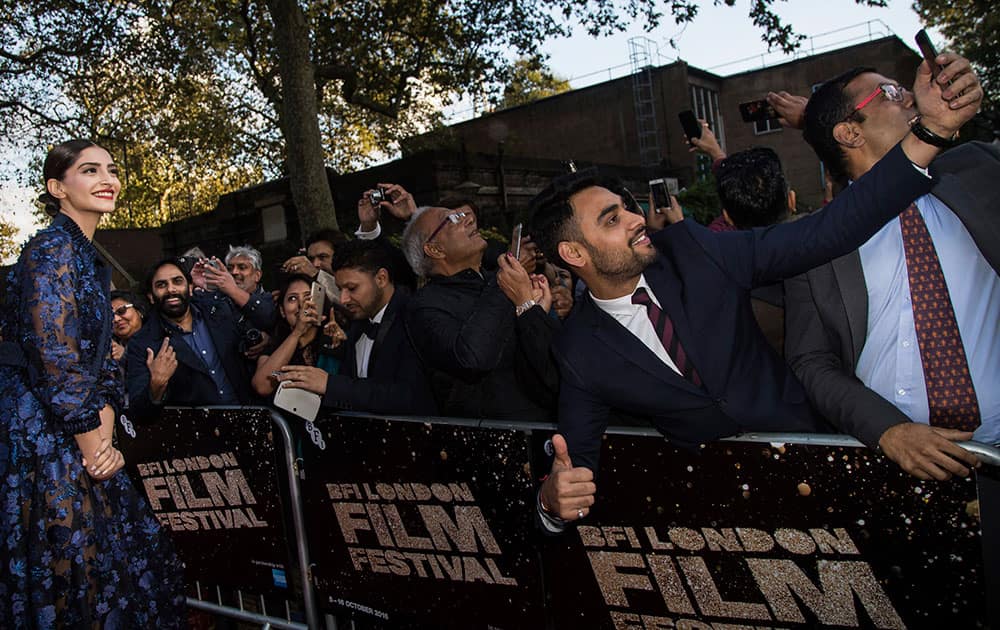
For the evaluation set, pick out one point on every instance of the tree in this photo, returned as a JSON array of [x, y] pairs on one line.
[[221, 91], [8, 240], [531, 80], [973, 30]]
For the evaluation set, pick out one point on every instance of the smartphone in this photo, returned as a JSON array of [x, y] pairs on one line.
[[754, 111], [317, 295], [661, 198], [515, 241], [214, 262], [928, 51], [692, 128]]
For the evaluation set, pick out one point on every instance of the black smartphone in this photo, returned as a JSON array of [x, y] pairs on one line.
[[754, 111], [928, 51], [661, 198], [515, 241], [692, 128]]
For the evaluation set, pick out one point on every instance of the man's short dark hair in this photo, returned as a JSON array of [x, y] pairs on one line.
[[752, 188], [828, 106], [333, 237], [366, 255], [552, 219], [170, 260]]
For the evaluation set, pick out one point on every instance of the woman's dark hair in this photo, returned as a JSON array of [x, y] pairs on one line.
[[138, 303], [57, 162]]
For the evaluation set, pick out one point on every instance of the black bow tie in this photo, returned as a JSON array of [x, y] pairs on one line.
[[371, 329]]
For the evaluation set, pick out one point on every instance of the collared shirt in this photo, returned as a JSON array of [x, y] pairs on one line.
[[635, 319], [890, 360], [200, 341], [363, 346]]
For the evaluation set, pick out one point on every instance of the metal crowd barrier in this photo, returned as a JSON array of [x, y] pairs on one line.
[[429, 522]]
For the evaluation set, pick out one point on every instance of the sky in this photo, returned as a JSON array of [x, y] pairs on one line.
[[719, 36]]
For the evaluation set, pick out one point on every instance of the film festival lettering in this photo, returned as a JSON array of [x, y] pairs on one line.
[[200, 493], [660, 560], [452, 542]]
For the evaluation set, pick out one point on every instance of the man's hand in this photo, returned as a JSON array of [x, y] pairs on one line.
[[311, 379], [791, 108], [218, 278], [947, 103], [928, 452], [567, 492], [300, 265], [707, 143], [255, 351], [562, 300], [161, 368], [514, 281], [367, 213]]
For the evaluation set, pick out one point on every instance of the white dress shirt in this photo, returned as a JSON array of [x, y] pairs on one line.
[[363, 346]]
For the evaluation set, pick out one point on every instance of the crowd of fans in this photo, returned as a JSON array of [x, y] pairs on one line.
[[609, 312]]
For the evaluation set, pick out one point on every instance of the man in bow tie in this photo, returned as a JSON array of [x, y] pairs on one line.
[[380, 371]]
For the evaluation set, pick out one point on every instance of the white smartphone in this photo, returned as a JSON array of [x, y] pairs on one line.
[[298, 401], [318, 296]]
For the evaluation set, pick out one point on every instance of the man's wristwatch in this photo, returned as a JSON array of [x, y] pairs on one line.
[[521, 309], [926, 135]]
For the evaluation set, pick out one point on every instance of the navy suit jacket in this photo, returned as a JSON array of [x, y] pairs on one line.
[[191, 385], [397, 382], [703, 281]]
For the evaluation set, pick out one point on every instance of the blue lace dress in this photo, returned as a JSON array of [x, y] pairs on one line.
[[74, 552]]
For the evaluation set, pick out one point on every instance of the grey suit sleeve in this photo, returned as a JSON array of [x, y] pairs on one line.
[[831, 386]]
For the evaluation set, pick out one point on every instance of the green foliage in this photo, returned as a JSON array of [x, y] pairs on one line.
[[701, 201], [530, 80], [8, 240]]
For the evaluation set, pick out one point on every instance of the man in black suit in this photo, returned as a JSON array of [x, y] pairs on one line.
[[187, 352], [853, 324], [380, 371], [666, 331]]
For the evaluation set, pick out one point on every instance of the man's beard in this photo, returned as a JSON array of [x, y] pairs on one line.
[[173, 311], [367, 311], [619, 265]]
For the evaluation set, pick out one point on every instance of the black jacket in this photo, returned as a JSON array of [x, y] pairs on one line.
[[191, 384], [485, 361], [397, 382]]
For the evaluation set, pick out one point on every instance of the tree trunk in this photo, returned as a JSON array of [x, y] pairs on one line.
[[300, 128]]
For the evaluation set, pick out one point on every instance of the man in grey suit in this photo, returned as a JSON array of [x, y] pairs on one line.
[[898, 342]]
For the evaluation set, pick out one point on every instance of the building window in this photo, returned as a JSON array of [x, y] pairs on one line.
[[762, 127], [705, 104]]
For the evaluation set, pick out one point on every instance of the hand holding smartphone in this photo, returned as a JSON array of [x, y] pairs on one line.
[[515, 241], [661, 197], [928, 51], [755, 111], [692, 128]]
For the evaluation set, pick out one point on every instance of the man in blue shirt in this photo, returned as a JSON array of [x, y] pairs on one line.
[[898, 342], [187, 352]]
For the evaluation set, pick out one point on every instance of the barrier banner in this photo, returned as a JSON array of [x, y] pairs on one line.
[[421, 524], [211, 478], [756, 535]]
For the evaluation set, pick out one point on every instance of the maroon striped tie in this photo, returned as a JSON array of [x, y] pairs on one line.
[[665, 333], [951, 395]]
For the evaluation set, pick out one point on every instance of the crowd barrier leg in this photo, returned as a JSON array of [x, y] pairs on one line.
[[298, 522]]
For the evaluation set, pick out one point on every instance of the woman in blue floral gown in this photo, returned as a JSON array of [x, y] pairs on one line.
[[80, 547]]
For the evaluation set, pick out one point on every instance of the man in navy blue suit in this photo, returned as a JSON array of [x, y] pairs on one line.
[[380, 372], [666, 331]]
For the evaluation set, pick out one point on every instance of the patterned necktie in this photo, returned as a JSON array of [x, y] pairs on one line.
[[665, 333], [950, 393]]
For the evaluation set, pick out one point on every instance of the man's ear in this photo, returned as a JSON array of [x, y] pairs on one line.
[[149, 296], [849, 134], [791, 201], [573, 254], [381, 278], [431, 250]]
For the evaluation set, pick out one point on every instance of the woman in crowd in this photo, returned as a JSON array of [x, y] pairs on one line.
[[81, 548], [298, 337], [129, 312]]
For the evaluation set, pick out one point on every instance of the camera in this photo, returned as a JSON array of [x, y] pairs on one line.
[[251, 337], [379, 195]]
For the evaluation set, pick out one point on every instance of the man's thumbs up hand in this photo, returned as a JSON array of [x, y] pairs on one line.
[[567, 492]]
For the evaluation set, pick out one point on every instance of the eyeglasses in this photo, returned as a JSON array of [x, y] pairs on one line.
[[452, 218], [892, 93], [121, 310]]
